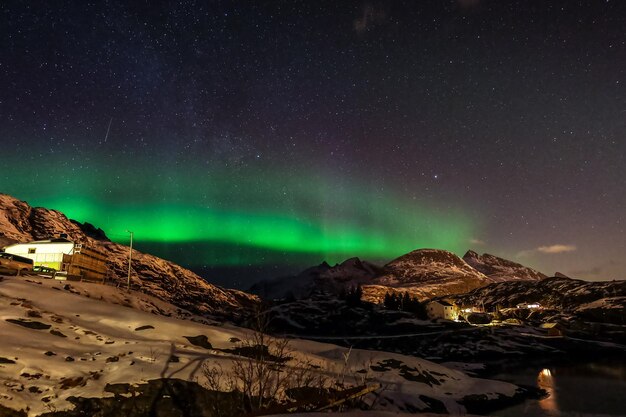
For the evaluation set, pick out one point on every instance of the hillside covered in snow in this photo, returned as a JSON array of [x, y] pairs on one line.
[[88, 347]]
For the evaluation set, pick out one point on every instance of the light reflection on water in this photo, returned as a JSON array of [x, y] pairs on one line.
[[594, 388], [545, 381]]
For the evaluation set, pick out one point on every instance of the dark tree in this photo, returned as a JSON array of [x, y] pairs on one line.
[[354, 295], [392, 301]]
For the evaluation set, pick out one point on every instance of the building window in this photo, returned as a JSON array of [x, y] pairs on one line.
[[32, 250]]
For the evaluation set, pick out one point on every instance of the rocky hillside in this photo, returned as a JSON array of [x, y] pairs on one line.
[[427, 265], [499, 269], [427, 273], [603, 301], [19, 222]]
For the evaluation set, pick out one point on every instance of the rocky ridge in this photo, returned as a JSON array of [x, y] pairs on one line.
[[424, 273], [500, 269]]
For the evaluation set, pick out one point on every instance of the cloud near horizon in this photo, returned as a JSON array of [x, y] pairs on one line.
[[549, 249], [556, 248]]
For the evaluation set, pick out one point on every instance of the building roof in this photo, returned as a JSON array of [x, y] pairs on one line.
[[40, 242], [443, 303], [551, 325], [54, 240]]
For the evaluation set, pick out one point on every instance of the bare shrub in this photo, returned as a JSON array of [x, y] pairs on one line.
[[265, 374], [219, 381]]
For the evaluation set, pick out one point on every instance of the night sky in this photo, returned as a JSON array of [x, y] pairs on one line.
[[251, 139]]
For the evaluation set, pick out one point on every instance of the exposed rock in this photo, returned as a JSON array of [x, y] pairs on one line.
[[483, 404], [35, 325], [201, 341], [171, 397], [57, 333]]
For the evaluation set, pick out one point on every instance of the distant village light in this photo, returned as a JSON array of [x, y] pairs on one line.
[[529, 305]]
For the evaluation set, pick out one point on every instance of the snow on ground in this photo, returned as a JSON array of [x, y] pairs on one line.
[[605, 303], [58, 342], [469, 368]]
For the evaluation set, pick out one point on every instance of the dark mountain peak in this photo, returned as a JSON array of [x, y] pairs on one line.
[[487, 257], [352, 269], [323, 266], [471, 254], [320, 279], [350, 262], [315, 270]]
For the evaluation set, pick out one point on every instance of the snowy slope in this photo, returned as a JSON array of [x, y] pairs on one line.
[[58, 343], [170, 282]]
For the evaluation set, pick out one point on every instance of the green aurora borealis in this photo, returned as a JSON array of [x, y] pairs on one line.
[[244, 216], [249, 140]]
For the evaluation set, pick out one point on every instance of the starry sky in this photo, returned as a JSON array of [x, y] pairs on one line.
[[251, 139]]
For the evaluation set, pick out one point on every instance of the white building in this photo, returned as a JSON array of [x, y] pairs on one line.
[[63, 255], [440, 309]]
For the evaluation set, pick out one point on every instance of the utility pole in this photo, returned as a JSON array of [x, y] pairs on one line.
[[130, 258]]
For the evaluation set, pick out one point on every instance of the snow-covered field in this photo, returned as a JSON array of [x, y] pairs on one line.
[[60, 341]]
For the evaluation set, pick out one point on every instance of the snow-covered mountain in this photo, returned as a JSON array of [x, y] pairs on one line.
[[72, 347], [427, 265], [19, 222], [427, 273], [424, 273], [499, 269]]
